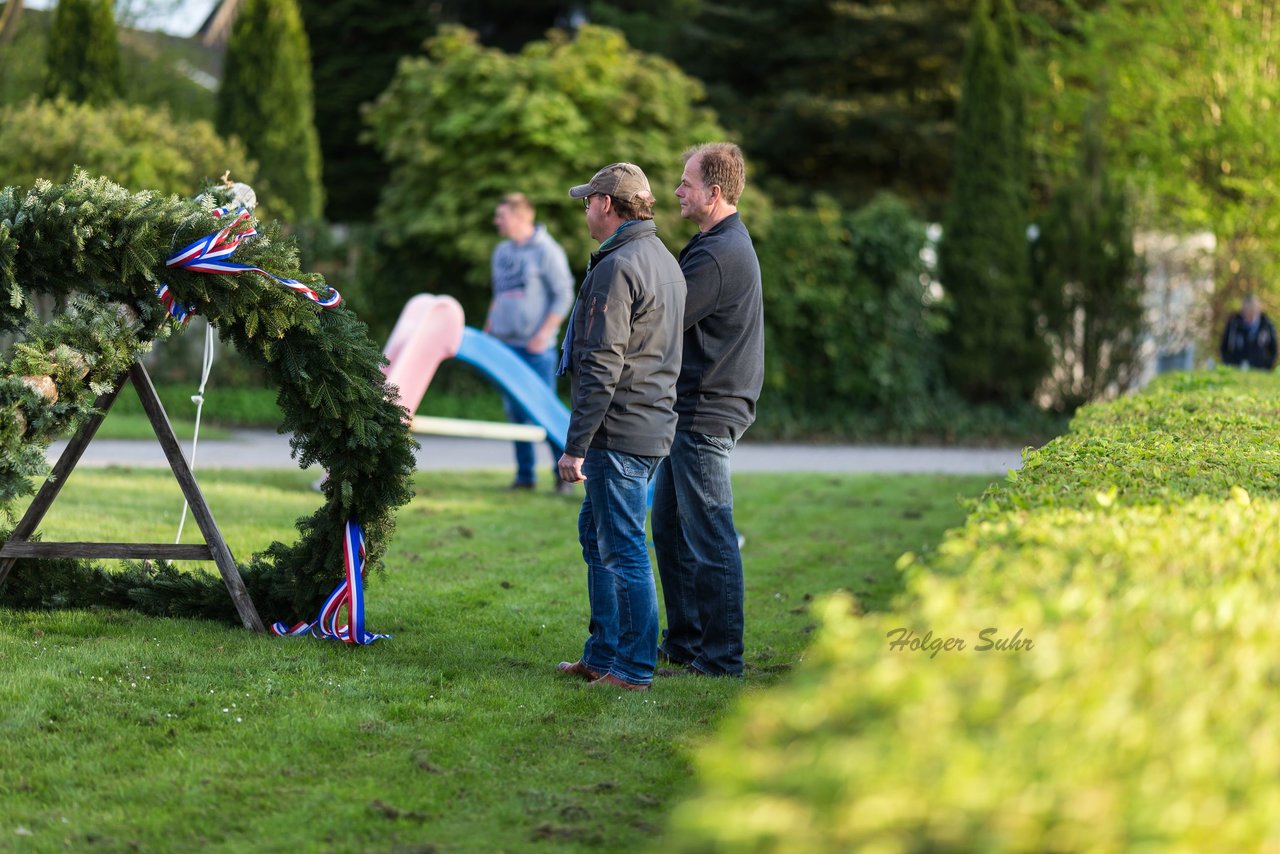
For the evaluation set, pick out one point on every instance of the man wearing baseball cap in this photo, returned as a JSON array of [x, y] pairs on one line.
[[622, 352]]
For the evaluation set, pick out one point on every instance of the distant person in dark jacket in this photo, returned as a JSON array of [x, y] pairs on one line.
[[622, 351], [720, 381], [1249, 341]]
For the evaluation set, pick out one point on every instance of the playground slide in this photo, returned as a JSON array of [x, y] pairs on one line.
[[428, 331], [506, 370]]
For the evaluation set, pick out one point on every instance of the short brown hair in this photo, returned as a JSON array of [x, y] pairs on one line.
[[638, 208], [722, 165], [518, 202]]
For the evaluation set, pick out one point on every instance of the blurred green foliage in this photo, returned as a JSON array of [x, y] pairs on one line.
[[1089, 283], [138, 147], [355, 46], [1117, 681], [266, 99], [465, 124], [1192, 110], [82, 62], [162, 71], [994, 351], [846, 318]]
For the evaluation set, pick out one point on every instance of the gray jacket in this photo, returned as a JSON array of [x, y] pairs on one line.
[[531, 280], [625, 354]]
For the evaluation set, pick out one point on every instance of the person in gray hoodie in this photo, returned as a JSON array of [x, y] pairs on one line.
[[532, 291], [622, 350]]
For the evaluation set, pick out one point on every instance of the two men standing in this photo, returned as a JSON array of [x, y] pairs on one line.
[[636, 401]]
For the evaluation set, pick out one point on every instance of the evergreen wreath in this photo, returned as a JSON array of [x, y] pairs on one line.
[[98, 252]]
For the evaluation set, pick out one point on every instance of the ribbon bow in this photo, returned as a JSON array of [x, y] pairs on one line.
[[209, 254]]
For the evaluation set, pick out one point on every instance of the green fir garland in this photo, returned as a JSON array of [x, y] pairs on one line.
[[98, 252]]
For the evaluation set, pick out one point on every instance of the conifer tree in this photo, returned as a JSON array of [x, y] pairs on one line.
[[267, 100], [356, 45], [993, 351], [1087, 273], [83, 59]]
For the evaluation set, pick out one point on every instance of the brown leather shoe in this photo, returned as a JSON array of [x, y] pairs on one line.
[[577, 668], [610, 681]]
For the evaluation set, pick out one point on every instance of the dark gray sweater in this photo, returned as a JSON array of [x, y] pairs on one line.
[[723, 368]]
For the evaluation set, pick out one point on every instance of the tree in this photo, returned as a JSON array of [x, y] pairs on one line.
[[1191, 118], [846, 318], [83, 59], [465, 124], [356, 45], [994, 351], [850, 97], [9, 18], [138, 147], [266, 99], [1088, 272]]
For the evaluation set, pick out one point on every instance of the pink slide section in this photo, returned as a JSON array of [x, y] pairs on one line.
[[428, 331]]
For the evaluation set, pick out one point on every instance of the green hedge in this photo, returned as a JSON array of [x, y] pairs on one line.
[[1134, 562]]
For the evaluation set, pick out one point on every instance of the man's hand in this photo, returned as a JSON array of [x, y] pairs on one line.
[[571, 469], [541, 340]]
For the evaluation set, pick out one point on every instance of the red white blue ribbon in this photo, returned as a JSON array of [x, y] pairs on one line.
[[180, 312], [210, 254], [350, 593]]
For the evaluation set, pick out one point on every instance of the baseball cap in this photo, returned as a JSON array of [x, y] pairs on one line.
[[625, 181]]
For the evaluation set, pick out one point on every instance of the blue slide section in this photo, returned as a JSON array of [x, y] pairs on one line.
[[505, 370]]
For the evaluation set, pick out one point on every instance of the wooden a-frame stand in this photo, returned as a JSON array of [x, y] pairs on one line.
[[19, 545]]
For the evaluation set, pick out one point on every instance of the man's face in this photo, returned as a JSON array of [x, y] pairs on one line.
[[695, 199], [1250, 311], [503, 220], [597, 226]]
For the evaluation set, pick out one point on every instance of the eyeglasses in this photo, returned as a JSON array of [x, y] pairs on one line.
[[586, 201]]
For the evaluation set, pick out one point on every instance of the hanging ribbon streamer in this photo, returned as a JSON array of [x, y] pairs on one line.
[[209, 254], [180, 312], [349, 593]]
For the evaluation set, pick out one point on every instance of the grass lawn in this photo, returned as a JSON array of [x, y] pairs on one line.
[[120, 732]]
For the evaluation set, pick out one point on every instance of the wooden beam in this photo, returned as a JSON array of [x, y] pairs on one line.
[[195, 499], [52, 485], [113, 551], [477, 429]]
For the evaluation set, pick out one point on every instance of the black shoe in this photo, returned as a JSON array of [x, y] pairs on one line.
[[520, 485], [563, 487]]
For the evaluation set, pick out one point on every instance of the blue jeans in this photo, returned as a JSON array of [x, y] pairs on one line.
[[698, 557], [624, 601], [544, 365]]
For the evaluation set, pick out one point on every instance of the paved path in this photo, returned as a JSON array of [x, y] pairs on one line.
[[261, 449]]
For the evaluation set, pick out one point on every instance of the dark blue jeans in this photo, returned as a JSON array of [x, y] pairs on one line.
[[544, 365], [624, 601], [698, 557]]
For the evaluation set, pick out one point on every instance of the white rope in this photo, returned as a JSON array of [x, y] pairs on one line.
[[198, 399]]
